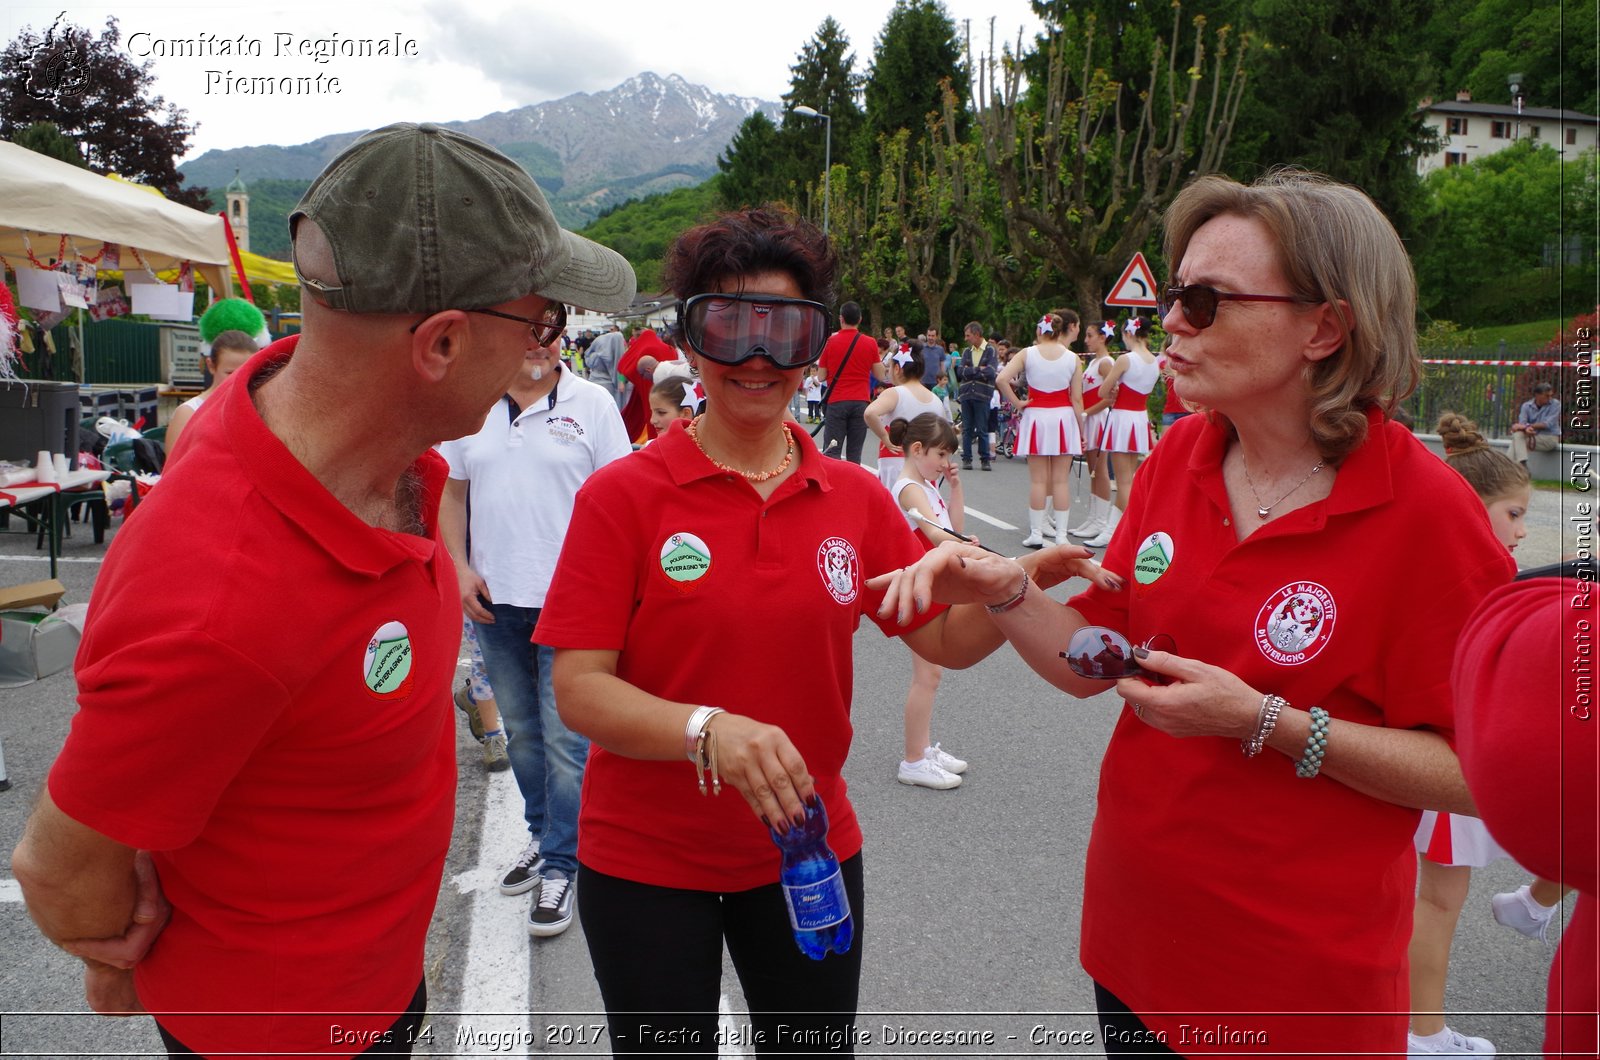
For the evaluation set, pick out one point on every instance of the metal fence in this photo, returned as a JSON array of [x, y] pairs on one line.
[[1489, 394]]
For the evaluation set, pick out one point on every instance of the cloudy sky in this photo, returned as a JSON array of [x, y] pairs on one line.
[[463, 60]]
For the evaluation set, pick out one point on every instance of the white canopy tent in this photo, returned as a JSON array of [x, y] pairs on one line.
[[44, 199]]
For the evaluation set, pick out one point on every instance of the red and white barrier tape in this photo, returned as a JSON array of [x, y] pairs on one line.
[[1521, 364]]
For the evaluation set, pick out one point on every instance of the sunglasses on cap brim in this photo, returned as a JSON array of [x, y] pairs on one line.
[[732, 328]]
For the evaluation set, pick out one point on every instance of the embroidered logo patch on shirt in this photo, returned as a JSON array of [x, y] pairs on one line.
[[1153, 558], [387, 665], [564, 430], [685, 559], [840, 569], [1295, 623]]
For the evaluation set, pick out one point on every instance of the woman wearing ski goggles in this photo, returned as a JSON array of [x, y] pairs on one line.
[[669, 557]]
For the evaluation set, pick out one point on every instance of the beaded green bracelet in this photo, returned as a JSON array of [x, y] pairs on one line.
[[1316, 745]]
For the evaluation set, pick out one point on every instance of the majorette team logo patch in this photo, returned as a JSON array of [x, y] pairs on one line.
[[1295, 623], [387, 666], [840, 569]]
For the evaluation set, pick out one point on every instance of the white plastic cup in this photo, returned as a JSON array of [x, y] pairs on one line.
[[45, 467], [63, 466]]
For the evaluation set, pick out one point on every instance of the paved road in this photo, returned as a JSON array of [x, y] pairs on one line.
[[972, 917]]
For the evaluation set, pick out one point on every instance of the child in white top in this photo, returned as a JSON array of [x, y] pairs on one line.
[[928, 441], [908, 398]]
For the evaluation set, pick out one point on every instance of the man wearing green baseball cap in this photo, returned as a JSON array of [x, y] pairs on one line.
[[262, 769]]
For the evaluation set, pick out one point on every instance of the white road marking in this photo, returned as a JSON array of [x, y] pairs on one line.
[[496, 977], [991, 520], [46, 559], [730, 1040], [11, 891]]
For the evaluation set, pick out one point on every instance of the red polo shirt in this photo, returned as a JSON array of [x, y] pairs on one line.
[[853, 382], [715, 596], [1223, 884], [264, 703]]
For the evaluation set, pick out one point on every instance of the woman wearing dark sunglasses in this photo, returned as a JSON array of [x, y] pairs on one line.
[[704, 606], [1311, 566]]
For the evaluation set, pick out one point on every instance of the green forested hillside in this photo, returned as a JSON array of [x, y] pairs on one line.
[[641, 229]]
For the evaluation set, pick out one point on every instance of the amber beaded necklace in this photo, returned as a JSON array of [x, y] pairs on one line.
[[753, 476]]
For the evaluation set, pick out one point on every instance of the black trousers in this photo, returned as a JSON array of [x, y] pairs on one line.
[[845, 429], [396, 1041], [657, 955], [1122, 1032]]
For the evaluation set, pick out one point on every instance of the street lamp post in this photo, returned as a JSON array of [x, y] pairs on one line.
[[827, 156], [1515, 82]]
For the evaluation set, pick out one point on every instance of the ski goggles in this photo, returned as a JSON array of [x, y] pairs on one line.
[[1199, 302], [732, 328]]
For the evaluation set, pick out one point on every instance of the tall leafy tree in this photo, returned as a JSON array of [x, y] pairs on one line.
[[1478, 44], [44, 138], [100, 100], [824, 78], [1337, 83], [1084, 164], [917, 54], [749, 165]]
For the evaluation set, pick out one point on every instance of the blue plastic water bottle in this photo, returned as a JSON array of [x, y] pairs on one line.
[[813, 888]]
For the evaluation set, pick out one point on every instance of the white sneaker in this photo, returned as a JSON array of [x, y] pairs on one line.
[[925, 773], [1519, 911], [944, 759], [1448, 1043]]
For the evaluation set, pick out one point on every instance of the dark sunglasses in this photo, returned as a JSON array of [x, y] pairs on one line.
[[1103, 654], [1199, 301], [543, 331], [732, 328]]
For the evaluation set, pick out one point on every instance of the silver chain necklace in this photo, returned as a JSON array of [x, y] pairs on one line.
[[1263, 510]]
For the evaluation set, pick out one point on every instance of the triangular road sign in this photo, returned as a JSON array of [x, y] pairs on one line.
[[1136, 287]]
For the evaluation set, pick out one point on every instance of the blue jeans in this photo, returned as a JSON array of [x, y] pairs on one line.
[[975, 422], [547, 758]]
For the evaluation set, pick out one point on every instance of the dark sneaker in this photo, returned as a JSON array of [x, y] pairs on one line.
[[966, 465], [523, 875], [551, 913], [988, 466], [464, 703]]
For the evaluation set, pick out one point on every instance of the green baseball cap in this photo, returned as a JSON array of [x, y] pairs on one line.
[[422, 219]]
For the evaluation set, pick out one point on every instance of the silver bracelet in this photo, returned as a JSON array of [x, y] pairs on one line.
[[695, 729], [1000, 609], [1266, 721]]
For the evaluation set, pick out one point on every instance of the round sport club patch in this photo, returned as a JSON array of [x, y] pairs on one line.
[[1153, 557], [387, 666], [685, 559], [1295, 623], [840, 569]]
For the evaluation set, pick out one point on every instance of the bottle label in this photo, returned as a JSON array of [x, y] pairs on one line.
[[814, 906]]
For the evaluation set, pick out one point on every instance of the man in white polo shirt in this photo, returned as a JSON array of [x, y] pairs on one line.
[[517, 478]]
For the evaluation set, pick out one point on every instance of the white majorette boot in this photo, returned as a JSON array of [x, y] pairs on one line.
[[1049, 516], [1035, 538], [1104, 538], [1095, 521], [1061, 529]]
